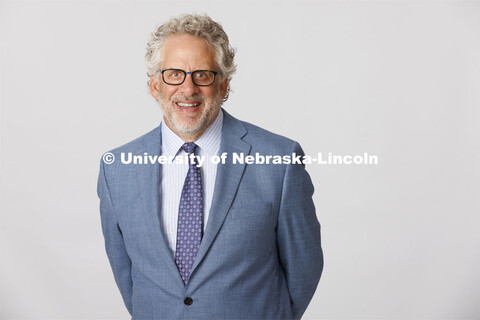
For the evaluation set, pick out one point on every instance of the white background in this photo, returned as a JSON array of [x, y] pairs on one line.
[[397, 79]]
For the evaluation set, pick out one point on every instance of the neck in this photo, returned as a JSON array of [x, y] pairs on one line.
[[191, 136], [186, 136]]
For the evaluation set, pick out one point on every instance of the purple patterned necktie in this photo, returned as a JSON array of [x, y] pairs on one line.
[[190, 217]]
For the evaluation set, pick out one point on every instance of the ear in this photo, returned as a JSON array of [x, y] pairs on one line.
[[224, 87], [154, 87]]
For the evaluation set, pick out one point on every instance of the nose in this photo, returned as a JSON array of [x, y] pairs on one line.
[[188, 87]]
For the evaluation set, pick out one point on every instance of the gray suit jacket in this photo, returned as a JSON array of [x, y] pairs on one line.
[[260, 256]]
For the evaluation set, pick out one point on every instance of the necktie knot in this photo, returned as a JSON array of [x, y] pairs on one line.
[[189, 147]]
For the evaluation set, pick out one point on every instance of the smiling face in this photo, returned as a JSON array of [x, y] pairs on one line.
[[188, 109]]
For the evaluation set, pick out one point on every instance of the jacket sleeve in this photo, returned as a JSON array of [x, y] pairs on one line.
[[298, 236], [114, 244]]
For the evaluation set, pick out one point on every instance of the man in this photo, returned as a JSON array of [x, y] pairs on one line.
[[191, 240]]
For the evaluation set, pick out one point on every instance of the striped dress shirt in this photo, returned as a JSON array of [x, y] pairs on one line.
[[174, 174]]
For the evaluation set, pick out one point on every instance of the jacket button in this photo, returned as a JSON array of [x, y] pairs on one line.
[[188, 301]]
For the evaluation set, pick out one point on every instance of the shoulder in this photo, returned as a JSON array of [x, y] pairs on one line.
[[257, 134], [140, 144], [148, 143], [263, 140]]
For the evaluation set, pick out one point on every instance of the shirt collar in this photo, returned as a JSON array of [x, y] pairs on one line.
[[209, 141]]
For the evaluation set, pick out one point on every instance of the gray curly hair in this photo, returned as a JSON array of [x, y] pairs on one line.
[[198, 25]]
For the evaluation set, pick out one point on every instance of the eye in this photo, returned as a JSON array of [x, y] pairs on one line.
[[200, 75]]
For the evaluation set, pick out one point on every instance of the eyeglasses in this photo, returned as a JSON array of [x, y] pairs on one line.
[[176, 77]]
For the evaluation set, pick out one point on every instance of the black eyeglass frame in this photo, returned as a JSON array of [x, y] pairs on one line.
[[185, 76]]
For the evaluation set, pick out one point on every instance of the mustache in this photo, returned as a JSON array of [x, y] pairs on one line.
[[182, 97]]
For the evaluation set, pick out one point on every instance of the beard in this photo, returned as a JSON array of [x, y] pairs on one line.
[[190, 124]]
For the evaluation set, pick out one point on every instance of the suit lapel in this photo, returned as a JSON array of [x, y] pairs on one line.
[[226, 183], [149, 176]]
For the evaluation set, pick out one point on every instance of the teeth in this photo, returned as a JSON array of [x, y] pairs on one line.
[[181, 104]]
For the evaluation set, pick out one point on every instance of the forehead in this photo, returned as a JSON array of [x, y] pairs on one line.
[[187, 51]]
